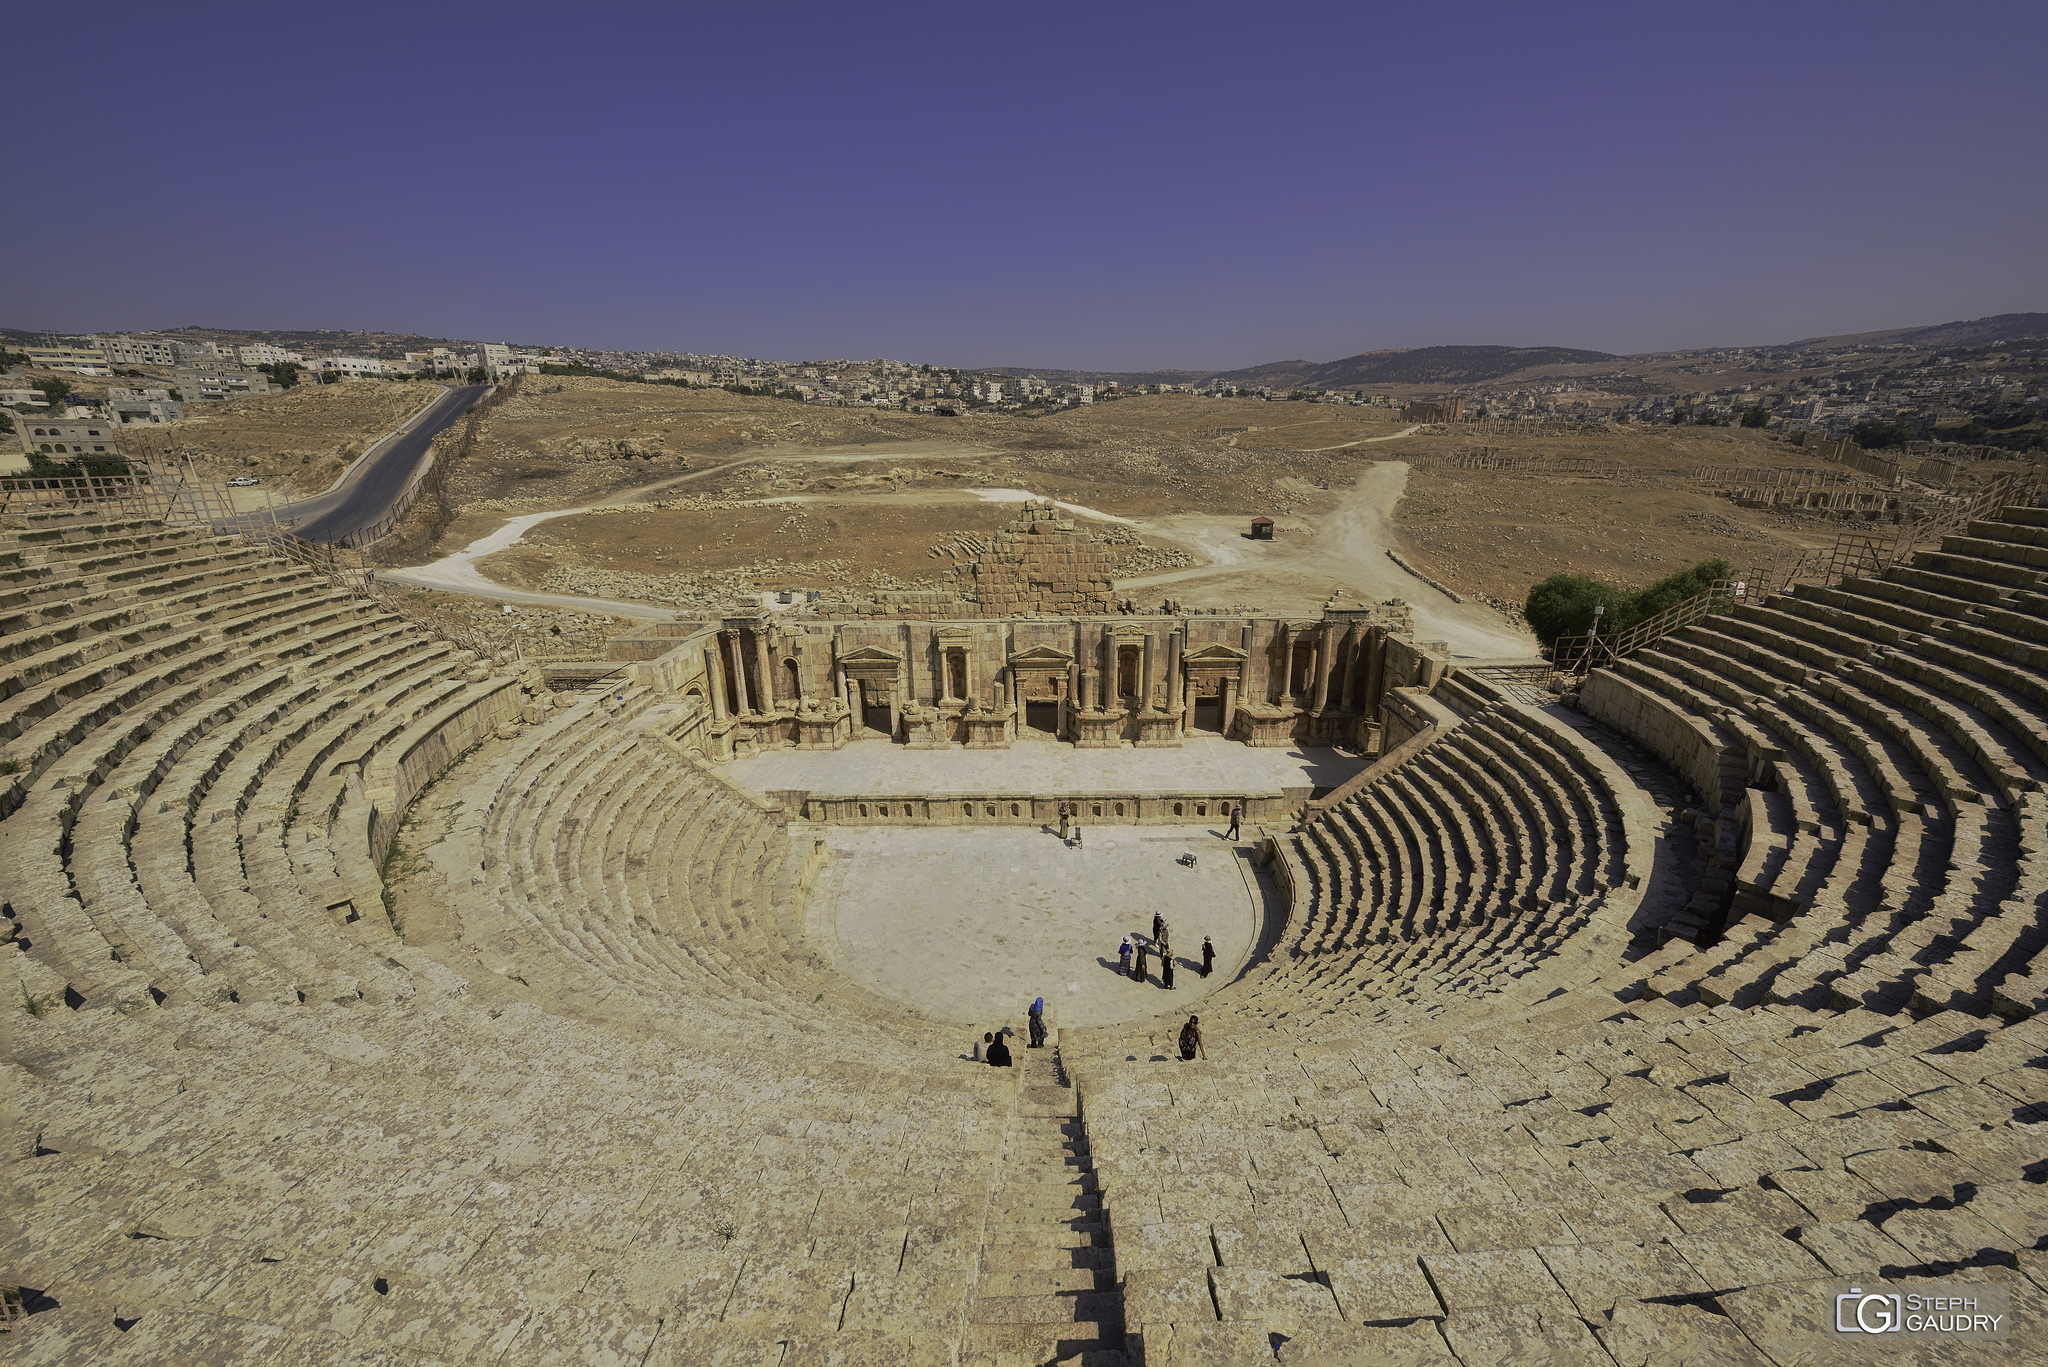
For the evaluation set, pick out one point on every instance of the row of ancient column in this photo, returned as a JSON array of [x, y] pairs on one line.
[[1099, 693], [749, 697]]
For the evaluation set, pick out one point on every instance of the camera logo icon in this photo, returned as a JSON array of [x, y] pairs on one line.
[[1877, 1312]]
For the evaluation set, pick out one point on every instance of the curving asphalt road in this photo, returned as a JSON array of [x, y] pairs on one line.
[[365, 494]]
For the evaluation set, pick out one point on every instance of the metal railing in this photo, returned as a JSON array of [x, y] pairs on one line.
[[1854, 554], [1579, 655]]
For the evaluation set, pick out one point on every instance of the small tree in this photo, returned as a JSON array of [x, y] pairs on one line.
[[1756, 416], [478, 375], [54, 388], [1563, 604], [1875, 436]]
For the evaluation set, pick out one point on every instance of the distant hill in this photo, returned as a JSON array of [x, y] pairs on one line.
[[1999, 327], [1440, 365]]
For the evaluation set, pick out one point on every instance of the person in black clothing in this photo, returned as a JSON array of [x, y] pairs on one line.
[[1038, 1024], [1166, 971], [999, 1054], [1191, 1039], [1158, 925], [1236, 817], [1138, 964], [1208, 956]]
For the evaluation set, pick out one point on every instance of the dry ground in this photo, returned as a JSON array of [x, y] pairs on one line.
[[297, 442], [865, 495]]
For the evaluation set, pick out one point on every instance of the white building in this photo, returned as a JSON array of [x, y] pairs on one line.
[[138, 349], [263, 353], [349, 367]]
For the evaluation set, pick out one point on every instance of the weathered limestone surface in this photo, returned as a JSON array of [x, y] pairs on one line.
[[1474, 1100]]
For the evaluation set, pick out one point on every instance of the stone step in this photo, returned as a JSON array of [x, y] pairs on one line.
[[1043, 1258], [1027, 1345], [1074, 1308], [1044, 1281]]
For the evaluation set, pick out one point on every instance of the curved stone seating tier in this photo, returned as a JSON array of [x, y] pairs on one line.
[[620, 876], [1454, 874], [1901, 722], [120, 724], [1485, 1101], [1491, 1184], [329, 1133]]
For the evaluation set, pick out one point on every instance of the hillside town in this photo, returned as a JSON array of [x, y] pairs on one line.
[[1986, 396]]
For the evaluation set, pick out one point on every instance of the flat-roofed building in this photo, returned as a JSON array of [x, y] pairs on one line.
[[63, 438]]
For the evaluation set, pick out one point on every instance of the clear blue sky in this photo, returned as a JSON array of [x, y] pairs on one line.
[[1104, 185]]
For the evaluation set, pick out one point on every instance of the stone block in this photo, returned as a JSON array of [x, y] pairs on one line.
[[1349, 1345], [1369, 1289], [1746, 1257], [1465, 1281], [1168, 1296], [1851, 1248], [1596, 1276], [1654, 1335], [1523, 1333]]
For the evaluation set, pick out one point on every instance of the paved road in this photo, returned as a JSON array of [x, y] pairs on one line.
[[365, 494]]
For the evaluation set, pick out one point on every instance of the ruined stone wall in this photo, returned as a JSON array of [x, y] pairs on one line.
[[1044, 563]]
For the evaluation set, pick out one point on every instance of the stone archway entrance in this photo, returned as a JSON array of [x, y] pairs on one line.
[[1038, 682], [874, 711]]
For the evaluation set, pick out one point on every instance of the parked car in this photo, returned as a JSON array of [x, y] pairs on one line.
[[243, 482]]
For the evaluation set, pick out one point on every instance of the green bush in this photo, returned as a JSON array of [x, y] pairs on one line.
[[1877, 436], [1563, 604], [1756, 416]]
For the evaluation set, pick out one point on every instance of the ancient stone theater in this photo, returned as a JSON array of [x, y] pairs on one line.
[[378, 998]]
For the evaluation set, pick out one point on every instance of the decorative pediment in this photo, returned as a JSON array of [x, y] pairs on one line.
[[872, 656], [954, 636], [1041, 657], [1214, 654]]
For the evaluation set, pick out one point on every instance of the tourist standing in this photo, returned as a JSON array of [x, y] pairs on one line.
[[1158, 926], [1077, 835], [1191, 1039], [1038, 1024], [1123, 957], [1208, 956], [1236, 819], [1166, 969], [1066, 816], [1138, 968]]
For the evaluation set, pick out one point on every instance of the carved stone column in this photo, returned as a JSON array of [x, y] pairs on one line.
[[1323, 669], [1145, 675], [740, 701], [1285, 693], [714, 672], [1347, 697], [766, 702]]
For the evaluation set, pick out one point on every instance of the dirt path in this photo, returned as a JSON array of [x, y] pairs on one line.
[[1313, 557], [1346, 548], [1391, 436]]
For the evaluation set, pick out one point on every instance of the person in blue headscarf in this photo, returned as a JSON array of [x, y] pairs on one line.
[[1038, 1024]]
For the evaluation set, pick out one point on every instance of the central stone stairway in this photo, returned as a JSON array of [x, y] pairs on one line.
[[1047, 1291]]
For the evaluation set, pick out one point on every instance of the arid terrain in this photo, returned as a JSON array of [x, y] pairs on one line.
[[701, 499], [297, 442]]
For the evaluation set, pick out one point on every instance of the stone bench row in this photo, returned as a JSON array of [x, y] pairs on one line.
[[90, 778], [628, 872], [1575, 1171], [1949, 750]]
